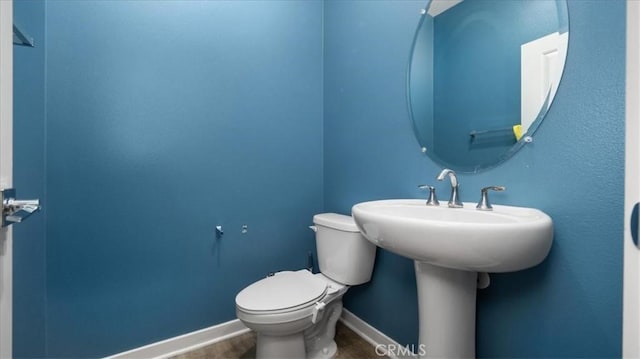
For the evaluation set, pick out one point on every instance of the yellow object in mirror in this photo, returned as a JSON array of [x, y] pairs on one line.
[[517, 131]]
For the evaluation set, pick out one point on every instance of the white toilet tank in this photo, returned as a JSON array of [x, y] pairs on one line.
[[344, 255]]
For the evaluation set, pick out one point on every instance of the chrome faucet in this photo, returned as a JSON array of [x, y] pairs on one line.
[[454, 201], [433, 200], [484, 204]]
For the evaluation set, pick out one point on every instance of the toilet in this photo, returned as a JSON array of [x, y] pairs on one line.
[[294, 313]]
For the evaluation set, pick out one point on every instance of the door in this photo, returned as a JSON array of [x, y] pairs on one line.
[[541, 64], [6, 170], [631, 296]]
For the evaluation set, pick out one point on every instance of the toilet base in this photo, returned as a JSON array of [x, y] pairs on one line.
[[280, 347], [328, 352], [319, 339]]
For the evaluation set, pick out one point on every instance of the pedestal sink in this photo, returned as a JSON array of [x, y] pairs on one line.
[[450, 246]]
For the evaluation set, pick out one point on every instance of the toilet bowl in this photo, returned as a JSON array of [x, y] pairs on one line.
[[294, 313], [281, 309]]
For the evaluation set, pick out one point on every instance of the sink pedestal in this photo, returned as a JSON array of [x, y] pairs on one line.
[[447, 311]]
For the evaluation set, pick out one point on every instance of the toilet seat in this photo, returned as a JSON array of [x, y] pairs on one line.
[[283, 292], [287, 297]]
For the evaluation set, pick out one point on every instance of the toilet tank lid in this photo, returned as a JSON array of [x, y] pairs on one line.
[[336, 221]]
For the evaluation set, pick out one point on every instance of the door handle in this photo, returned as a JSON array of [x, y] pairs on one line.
[[15, 210], [634, 225]]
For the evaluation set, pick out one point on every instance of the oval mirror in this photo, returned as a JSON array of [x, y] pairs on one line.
[[482, 76]]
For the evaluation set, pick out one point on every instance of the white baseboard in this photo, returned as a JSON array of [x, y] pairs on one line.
[[384, 345], [217, 333], [185, 343]]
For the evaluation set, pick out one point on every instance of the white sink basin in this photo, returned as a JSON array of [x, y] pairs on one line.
[[449, 247], [503, 240]]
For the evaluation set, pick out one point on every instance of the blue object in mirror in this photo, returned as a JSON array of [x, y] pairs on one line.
[[482, 77]]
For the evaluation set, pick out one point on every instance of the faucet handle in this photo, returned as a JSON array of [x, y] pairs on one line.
[[484, 204], [433, 200]]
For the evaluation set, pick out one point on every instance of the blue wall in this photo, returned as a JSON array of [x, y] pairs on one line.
[[155, 136], [29, 295], [569, 306], [164, 119]]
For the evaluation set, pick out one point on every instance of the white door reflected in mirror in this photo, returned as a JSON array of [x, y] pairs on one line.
[[542, 61]]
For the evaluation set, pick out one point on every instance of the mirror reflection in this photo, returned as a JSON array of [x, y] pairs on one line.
[[483, 74]]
